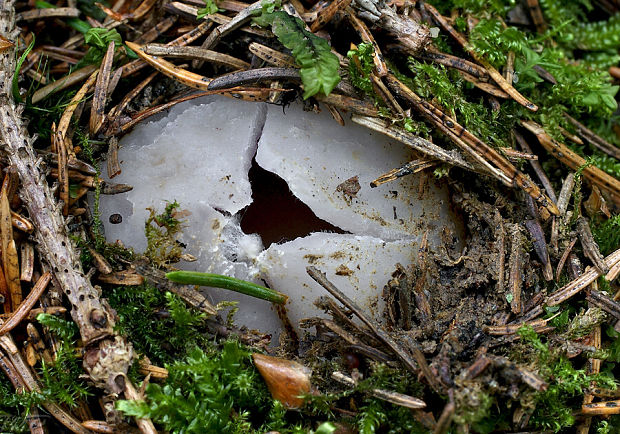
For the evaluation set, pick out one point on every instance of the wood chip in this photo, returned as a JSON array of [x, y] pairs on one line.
[[63, 83], [101, 90], [126, 278], [114, 167], [589, 246], [581, 282], [27, 304], [154, 371], [10, 262], [27, 261], [37, 14], [385, 395], [196, 53], [5, 44]]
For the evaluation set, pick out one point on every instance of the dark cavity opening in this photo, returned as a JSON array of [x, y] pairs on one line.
[[276, 214]]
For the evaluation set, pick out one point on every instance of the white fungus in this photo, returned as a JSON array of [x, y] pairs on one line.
[[315, 155], [200, 155]]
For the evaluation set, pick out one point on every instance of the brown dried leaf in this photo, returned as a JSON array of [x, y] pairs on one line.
[[287, 380], [5, 44]]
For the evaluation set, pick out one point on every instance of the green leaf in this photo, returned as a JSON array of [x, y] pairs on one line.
[[319, 66], [100, 38], [209, 9], [133, 408], [326, 428], [63, 328]]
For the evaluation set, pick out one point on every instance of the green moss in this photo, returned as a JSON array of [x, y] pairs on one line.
[[555, 407], [210, 391], [159, 324], [379, 416], [447, 88], [15, 408], [607, 235], [361, 65], [161, 232], [61, 380], [492, 40]]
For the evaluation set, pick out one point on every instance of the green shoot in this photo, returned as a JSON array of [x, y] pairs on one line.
[[607, 235], [209, 9], [360, 66], [554, 406], [98, 40], [219, 281], [18, 66]]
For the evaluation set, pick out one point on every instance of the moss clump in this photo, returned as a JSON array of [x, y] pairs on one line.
[[159, 324], [161, 231], [607, 235], [210, 391], [555, 407]]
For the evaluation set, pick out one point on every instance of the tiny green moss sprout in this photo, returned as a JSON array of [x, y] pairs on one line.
[[557, 317], [98, 40], [161, 232], [492, 40], [64, 329]]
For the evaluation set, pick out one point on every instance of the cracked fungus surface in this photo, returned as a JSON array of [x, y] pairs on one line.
[[200, 155]]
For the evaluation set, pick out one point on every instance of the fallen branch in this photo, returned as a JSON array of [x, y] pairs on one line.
[[107, 354]]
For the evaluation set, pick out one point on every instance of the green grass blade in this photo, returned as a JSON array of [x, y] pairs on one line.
[[20, 61], [219, 281]]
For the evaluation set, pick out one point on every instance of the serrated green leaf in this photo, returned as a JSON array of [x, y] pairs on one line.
[[319, 66]]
